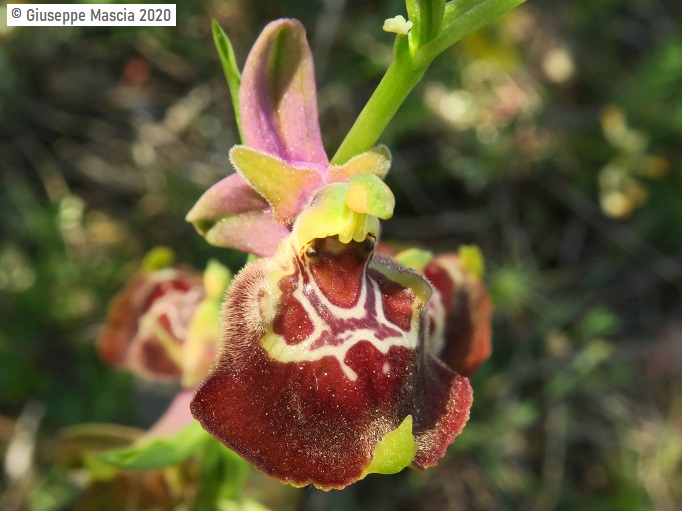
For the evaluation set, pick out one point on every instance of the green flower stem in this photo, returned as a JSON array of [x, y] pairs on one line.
[[461, 17], [399, 80]]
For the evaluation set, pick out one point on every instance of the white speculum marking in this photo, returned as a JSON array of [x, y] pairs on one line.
[[305, 351]]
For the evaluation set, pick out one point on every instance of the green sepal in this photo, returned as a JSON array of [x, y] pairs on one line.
[[472, 259], [281, 184], [414, 258], [232, 73]]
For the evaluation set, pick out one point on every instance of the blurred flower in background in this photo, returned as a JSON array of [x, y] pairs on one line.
[[620, 180], [165, 324]]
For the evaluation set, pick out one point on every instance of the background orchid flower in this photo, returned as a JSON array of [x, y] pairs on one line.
[[164, 324], [148, 322], [282, 163], [460, 310], [324, 376]]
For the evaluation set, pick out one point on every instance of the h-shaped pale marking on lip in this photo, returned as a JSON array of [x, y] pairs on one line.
[[278, 349]]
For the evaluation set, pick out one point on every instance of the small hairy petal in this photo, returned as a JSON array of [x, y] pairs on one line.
[[278, 98], [228, 197], [376, 161], [253, 232], [323, 357]]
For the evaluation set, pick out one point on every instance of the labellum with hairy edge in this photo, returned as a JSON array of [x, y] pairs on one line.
[[323, 376]]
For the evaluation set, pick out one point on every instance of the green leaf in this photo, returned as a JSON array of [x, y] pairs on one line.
[[158, 453], [427, 17], [232, 73], [243, 505]]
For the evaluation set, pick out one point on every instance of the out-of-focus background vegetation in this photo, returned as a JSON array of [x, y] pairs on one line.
[[552, 139]]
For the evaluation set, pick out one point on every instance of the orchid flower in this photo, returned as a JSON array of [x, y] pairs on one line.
[[282, 163], [334, 362], [460, 309], [164, 326], [324, 376]]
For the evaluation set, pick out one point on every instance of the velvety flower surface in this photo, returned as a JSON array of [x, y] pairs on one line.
[[323, 376], [282, 163]]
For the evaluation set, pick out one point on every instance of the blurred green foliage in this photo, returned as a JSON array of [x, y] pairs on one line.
[[551, 139]]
